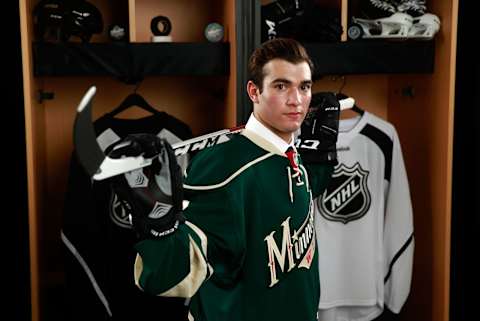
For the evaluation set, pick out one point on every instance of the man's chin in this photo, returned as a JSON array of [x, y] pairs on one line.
[[291, 128], [294, 126]]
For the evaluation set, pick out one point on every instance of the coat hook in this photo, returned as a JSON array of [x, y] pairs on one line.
[[408, 91], [45, 95]]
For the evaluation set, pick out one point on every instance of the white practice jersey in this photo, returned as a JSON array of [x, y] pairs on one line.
[[364, 225]]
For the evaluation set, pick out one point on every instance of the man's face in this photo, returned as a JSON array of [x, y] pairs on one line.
[[286, 95]]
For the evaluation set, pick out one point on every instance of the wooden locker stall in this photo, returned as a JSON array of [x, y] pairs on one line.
[[420, 104], [205, 100]]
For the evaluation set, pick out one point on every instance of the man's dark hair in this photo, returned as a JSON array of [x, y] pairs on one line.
[[278, 48]]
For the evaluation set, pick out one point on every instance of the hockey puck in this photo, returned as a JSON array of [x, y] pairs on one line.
[[355, 32], [117, 33], [214, 32]]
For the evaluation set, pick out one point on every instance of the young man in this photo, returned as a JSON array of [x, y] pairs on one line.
[[244, 247]]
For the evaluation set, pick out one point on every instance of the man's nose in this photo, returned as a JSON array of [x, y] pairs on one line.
[[294, 97]]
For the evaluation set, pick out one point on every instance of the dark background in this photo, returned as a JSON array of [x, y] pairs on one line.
[[14, 226], [466, 169]]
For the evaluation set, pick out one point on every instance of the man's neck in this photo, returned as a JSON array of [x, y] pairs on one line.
[[286, 137], [255, 126]]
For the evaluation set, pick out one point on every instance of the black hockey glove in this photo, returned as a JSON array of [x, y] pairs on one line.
[[281, 18], [153, 194], [319, 131]]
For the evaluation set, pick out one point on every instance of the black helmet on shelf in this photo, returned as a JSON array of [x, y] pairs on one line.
[[84, 20], [49, 18], [57, 20]]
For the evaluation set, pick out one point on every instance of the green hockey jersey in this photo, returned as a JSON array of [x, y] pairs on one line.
[[248, 249]]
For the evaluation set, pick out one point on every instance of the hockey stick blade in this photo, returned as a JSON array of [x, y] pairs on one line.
[[89, 153]]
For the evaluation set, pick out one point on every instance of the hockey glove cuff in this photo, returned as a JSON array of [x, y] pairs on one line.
[[153, 194]]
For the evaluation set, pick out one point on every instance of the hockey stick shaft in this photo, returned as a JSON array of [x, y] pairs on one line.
[[99, 166], [201, 142], [112, 166]]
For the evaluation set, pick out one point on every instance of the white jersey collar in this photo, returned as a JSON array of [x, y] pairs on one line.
[[261, 130]]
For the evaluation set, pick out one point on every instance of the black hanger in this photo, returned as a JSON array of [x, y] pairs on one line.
[[355, 108], [341, 95], [134, 99]]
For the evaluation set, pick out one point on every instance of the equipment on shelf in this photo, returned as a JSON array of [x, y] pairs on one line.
[[305, 21], [117, 32], [214, 32], [58, 21], [412, 7], [281, 18], [406, 20], [161, 35], [425, 26], [395, 26]]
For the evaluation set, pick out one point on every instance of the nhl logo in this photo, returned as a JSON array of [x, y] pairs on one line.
[[118, 213], [347, 197]]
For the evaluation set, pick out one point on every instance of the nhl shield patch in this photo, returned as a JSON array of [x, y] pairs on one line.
[[347, 197], [118, 213]]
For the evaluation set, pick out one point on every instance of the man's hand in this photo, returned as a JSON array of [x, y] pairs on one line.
[[153, 194], [319, 131]]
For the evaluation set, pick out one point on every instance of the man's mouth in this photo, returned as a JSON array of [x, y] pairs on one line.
[[294, 115]]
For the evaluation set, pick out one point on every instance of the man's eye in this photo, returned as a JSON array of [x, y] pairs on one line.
[[306, 87], [280, 86]]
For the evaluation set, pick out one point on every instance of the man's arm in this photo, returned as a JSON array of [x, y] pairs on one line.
[[398, 240], [174, 252], [174, 266], [319, 176], [211, 240]]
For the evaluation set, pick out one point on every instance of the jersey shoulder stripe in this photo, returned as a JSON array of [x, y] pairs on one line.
[[216, 166], [384, 142]]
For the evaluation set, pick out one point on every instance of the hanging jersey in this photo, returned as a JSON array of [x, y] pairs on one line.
[[99, 239], [364, 225]]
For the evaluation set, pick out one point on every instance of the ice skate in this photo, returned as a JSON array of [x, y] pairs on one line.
[[395, 26], [414, 8], [424, 27]]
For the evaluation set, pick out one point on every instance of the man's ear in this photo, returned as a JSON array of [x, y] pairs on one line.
[[253, 91]]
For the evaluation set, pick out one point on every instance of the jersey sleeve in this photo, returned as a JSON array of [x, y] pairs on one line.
[[211, 240], [319, 175], [398, 233], [173, 266]]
